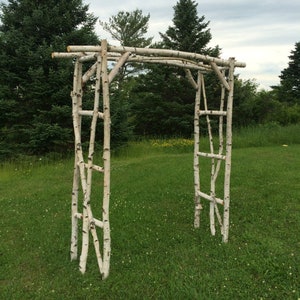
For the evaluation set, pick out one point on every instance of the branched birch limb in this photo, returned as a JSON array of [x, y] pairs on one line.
[[89, 73], [190, 78], [122, 60], [220, 75]]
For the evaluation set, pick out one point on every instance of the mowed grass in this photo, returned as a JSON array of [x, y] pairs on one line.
[[156, 252]]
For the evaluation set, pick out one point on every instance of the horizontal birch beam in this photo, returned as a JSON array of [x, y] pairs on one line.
[[67, 54], [83, 56], [176, 63], [88, 57], [159, 52], [211, 155], [97, 222], [212, 112], [210, 198], [172, 61], [90, 113], [94, 167]]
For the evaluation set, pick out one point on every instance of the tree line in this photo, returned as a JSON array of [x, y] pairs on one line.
[[146, 100]]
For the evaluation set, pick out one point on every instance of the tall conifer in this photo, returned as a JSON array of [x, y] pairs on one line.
[[34, 89]]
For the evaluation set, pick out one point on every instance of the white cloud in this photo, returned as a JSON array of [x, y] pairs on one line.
[[261, 33]]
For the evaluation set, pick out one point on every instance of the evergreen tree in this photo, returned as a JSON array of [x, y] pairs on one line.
[[162, 104], [167, 87], [289, 89], [129, 28], [35, 89], [189, 33]]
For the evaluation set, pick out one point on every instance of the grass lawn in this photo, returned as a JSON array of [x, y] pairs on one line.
[[156, 252]]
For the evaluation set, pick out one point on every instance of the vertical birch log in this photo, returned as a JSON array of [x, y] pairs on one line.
[[77, 101], [212, 182], [76, 107], [197, 201], [221, 147], [92, 226], [221, 137], [106, 162], [228, 151]]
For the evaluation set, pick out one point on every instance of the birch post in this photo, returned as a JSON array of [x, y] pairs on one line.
[[76, 107], [228, 150], [77, 102], [197, 201], [211, 147], [106, 161], [221, 146], [90, 164]]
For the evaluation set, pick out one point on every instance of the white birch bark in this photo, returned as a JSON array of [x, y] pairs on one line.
[[89, 73], [212, 182], [77, 101], [159, 52], [228, 152], [220, 75], [191, 79], [76, 107], [90, 165], [106, 161], [197, 200], [121, 61], [221, 146]]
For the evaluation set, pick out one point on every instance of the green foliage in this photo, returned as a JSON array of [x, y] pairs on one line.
[[252, 107], [34, 88], [121, 130], [35, 104], [289, 89], [189, 32], [163, 104], [163, 99], [129, 28]]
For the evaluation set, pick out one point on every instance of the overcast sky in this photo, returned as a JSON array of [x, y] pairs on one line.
[[261, 33]]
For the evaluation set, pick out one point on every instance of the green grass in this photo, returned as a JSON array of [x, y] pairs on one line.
[[266, 135], [156, 252]]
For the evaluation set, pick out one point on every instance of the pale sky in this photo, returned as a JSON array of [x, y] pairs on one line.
[[260, 33]]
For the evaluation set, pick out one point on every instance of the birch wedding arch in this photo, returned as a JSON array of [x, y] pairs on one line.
[[98, 57]]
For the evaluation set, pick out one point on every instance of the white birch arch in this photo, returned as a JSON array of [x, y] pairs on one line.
[[98, 58]]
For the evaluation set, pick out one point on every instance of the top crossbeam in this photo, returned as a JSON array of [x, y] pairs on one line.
[[151, 55]]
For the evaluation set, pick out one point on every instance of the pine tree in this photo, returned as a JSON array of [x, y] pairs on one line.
[[189, 33], [129, 28], [35, 89], [166, 87], [289, 89]]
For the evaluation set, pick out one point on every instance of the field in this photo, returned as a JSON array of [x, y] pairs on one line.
[[156, 252]]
